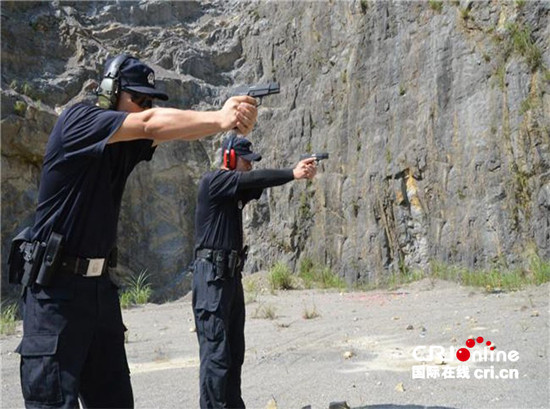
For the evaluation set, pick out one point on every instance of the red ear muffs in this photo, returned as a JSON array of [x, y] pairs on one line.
[[229, 157]]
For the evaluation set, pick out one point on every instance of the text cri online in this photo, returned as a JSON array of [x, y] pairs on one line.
[[462, 372], [423, 353], [431, 353]]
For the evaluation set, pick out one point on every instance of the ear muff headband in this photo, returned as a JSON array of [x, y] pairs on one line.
[[229, 156], [109, 89]]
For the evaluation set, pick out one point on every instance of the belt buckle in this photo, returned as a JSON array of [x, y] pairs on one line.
[[95, 267]]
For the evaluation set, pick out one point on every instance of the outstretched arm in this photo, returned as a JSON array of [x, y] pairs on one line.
[[164, 124], [262, 178]]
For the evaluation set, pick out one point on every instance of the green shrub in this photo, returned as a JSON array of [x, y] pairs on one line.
[[27, 89], [497, 278], [364, 6], [20, 108], [316, 276], [493, 279], [8, 317], [436, 5], [280, 277], [137, 291], [539, 269], [523, 44], [402, 276], [126, 300]]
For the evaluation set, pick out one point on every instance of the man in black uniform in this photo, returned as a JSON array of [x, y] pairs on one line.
[[218, 301], [73, 341]]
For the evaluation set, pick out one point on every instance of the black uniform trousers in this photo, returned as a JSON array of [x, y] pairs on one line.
[[73, 345], [218, 307]]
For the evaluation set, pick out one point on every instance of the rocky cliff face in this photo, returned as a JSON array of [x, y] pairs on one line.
[[436, 117]]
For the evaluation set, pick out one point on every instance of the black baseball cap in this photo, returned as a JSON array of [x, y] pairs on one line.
[[137, 77], [242, 147]]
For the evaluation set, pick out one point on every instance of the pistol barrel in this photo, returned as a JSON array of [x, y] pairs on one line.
[[258, 91], [317, 156]]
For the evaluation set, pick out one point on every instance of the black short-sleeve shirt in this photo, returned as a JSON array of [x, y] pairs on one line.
[[83, 179], [218, 217]]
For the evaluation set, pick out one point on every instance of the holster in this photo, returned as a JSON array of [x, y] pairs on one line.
[[16, 260], [33, 253], [36, 261]]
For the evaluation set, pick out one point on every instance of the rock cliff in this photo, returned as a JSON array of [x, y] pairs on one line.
[[436, 116]]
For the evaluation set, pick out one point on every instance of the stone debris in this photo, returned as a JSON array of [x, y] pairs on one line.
[[272, 404], [348, 354], [338, 405], [399, 387]]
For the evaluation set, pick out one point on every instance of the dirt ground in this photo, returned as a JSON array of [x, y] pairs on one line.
[[369, 349]]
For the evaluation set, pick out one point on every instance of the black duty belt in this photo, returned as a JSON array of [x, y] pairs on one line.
[[87, 267], [211, 255], [228, 263]]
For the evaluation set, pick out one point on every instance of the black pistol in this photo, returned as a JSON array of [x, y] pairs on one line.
[[258, 91], [319, 156]]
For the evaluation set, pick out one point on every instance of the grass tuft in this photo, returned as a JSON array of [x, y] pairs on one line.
[[265, 312], [280, 277], [539, 270], [20, 108], [251, 290], [436, 5], [495, 279], [317, 276], [8, 317], [310, 314], [137, 291], [523, 44]]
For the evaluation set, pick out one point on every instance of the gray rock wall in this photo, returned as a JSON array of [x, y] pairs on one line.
[[436, 116], [438, 125]]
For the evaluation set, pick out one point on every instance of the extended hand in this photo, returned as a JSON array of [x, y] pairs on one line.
[[240, 113], [305, 169]]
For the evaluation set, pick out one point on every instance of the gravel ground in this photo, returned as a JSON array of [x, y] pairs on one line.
[[359, 349]]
